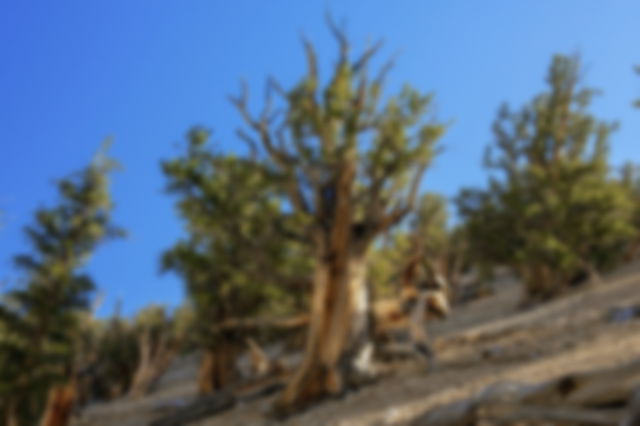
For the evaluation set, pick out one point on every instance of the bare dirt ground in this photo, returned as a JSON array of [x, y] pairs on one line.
[[483, 342]]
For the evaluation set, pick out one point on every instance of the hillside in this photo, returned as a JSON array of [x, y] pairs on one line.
[[487, 341]]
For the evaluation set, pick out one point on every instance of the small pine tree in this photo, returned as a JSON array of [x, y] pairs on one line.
[[631, 182], [554, 213], [159, 339], [39, 320], [236, 262]]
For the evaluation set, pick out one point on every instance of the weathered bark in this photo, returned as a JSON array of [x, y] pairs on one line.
[[217, 369], [591, 273], [261, 365], [11, 413], [633, 252], [338, 331], [260, 362], [541, 282], [59, 406], [155, 358]]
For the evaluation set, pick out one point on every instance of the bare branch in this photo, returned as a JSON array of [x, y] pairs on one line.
[[312, 60], [395, 216], [252, 144], [388, 66], [268, 102], [277, 87], [261, 127], [340, 37], [405, 206], [241, 102], [277, 153], [362, 62], [410, 201], [282, 229]]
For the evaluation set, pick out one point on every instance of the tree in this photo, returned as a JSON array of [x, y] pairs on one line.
[[429, 235], [631, 182], [413, 254], [352, 164], [637, 101], [235, 260], [115, 345], [159, 339], [39, 320], [386, 260], [553, 212]]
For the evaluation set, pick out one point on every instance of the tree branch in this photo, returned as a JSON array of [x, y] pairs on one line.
[[340, 37]]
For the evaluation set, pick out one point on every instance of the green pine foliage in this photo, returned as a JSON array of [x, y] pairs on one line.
[[552, 211], [346, 132], [116, 358], [385, 264], [427, 236], [429, 225], [235, 260], [40, 319], [631, 182]]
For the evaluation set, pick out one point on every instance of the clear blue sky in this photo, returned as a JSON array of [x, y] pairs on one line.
[[73, 72]]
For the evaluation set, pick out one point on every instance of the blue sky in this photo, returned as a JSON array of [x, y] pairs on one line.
[[74, 72]]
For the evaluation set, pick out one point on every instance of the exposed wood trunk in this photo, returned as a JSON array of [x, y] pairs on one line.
[[633, 251], [155, 358], [217, 369], [593, 275], [590, 273], [455, 263], [541, 282], [11, 413], [259, 360], [59, 405], [338, 333], [261, 364]]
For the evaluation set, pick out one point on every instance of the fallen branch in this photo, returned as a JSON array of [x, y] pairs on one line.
[[591, 398]]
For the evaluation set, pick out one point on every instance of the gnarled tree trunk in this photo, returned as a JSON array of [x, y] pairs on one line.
[[11, 412], [217, 368], [338, 333], [155, 358], [633, 251], [59, 406]]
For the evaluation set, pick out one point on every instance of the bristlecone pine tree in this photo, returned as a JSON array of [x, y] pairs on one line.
[[159, 340], [429, 236], [235, 261], [412, 255], [39, 320], [352, 164], [631, 181], [554, 213], [115, 346]]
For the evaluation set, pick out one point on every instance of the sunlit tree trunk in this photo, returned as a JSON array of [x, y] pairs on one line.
[[350, 191], [217, 368], [59, 406], [154, 361], [634, 250], [338, 331], [11, 414]]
